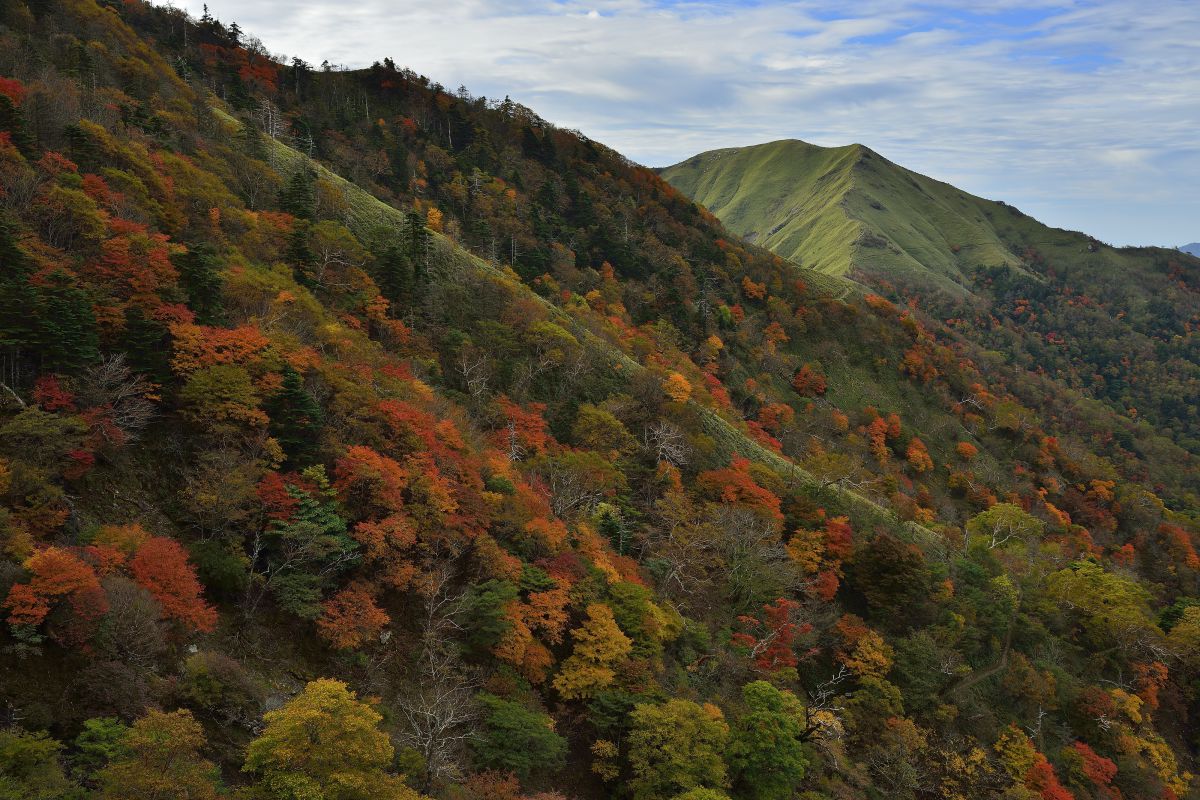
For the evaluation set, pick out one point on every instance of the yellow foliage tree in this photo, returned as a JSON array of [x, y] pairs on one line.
[[325, 743], [433, 219], [677, 387], [871, 656], [599, 644]]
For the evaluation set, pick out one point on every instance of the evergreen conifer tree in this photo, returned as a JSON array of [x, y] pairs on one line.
[[147, 345], [296, 419], [13, 121], [199, 274], [299, 196]]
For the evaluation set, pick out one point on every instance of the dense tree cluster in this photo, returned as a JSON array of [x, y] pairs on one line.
[[473, 461]]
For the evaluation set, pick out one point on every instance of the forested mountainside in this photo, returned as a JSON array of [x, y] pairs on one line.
[[362, 439], [1117, 324]]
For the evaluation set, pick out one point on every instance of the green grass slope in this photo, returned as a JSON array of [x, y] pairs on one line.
[[1117, 323], [785, 196], [847, 210]]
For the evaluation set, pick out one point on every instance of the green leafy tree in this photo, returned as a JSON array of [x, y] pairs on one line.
[[69, 338], [296, 418], [1114, 609], [101, 742], [221, 398], [516, 739], [162, 762], [891, 574], [483, 613], [418, 241], [765, 750], [299, 557], [200, 276], [300, 255], [597, 429], [30, 768], [299, 194], [393, 273], [12, 120], [146, 343], [1004, 524], [676, 747], [19, 299]]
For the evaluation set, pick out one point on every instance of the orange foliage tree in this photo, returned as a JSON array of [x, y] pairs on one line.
[[57, 575], [677, 387], [735, 484], [351, 618], [161, 567], [918, 456], [809, 381]]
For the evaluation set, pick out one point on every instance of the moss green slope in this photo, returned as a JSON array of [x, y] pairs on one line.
[[785, 196], [847, 209]]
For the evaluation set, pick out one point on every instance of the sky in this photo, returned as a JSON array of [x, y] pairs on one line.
[[1085, 115]]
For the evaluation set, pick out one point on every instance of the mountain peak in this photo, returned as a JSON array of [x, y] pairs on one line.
[[850, 211]]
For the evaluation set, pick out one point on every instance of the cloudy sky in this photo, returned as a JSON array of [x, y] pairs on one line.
[[1084, 114]]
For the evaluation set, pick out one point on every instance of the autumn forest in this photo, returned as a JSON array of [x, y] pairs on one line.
[[363, 438]]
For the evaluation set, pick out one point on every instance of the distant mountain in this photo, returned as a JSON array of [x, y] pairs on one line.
[[850, 211], [1191, 249], [1116, 323]]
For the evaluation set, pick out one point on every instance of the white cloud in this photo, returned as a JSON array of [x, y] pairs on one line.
[[1082, 113]]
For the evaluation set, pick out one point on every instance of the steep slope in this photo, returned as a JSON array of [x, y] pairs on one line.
[[367, 214], [785, 196], [1117, 324], [846, 210]]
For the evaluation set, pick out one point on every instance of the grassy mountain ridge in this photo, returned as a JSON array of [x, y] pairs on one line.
[[983, 265], [844, 210]]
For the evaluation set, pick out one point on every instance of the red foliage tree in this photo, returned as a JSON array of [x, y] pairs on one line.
[[272, 491], [351, 618], [735, 484], [771, 640], [49, 393], [57, 575], [826, 584], [839, 537], [136, 265], [1041, 779], [809, 381], [524, 430], [774, 417], [369, 481], [1096, 768], [161, 567], [13, 89]]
